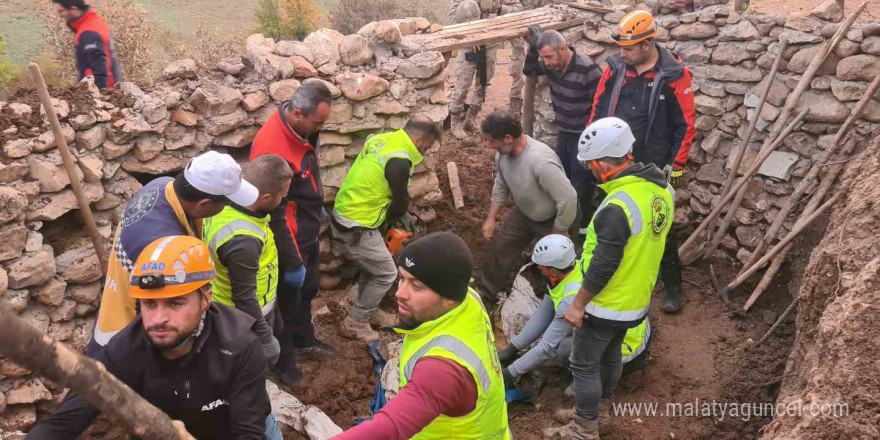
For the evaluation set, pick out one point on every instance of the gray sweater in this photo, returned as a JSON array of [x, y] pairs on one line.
[[536, 181]]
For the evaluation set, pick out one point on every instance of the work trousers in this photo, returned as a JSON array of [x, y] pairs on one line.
[[506, 249], [366, 249], [596, 365], [296, 306], [670, 263], [467, 77], [515, 69], [581, 178]]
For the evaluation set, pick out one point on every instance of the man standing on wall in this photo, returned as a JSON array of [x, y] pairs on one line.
[[292, 133], [573, 79], [95, 54], [649, 88]]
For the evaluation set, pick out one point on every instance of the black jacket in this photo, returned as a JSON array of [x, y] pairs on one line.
[[658, 105], [218, 390]]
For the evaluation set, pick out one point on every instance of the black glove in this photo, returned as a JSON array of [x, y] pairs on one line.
[[508, 355], [508, 379], [534, 33]]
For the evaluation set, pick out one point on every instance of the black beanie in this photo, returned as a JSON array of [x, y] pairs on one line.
[[440, 261]]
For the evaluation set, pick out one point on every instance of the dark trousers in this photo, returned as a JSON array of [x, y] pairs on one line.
[[581, 178], [670, 263], [296, 306], [596, 365], [506, 249]]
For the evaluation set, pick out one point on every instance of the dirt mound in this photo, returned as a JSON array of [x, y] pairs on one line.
[[833, 368], [78, 98]]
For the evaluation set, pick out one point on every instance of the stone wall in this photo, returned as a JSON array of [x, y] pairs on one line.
[[730, 55], [49, 273]]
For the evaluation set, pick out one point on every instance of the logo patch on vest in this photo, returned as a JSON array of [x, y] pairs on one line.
[[659, 214], [214, 405], [142, 203]]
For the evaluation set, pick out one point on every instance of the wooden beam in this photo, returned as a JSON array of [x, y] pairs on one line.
[[445, 45], [589, 8]]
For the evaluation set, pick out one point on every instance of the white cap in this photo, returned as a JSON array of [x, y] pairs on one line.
[[554, 250], [606, 137], [219, 175]]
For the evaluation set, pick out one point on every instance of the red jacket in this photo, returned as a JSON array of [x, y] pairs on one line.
[[95, 54], [658, 105], [302, 210]]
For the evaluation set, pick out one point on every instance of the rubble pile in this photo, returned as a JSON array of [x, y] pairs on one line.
[[730, 56], [125, 136]]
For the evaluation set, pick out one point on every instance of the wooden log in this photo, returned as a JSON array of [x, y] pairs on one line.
[[30, 348], [455, 185], [806, 79], [812, 175], [742, 183], [450, 44], [750, 132], [529, 105], [589, 8], [72, 170], [488, 22], [777, 249]]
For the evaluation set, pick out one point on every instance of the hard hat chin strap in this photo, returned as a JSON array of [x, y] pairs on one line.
[[605, 175]]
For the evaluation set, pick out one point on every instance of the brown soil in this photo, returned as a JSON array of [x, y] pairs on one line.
[[787, 7], [78, 98], [836, 355]]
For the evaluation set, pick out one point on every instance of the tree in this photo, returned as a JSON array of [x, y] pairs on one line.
[[269, 18], [299, 18]]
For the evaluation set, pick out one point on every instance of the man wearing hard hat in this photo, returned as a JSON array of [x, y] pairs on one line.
[[620, 262]]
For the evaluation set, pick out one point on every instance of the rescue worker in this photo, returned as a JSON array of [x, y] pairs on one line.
[[649, 88], [467, 75], [374, 196], [199, 362], [162, 208], [450, 378], [621, 258], [554, 255], [573, 79], [243, 249], [93, 43], [545, 202], [292, 133]]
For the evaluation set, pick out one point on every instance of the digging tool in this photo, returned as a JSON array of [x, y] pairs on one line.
[[32, 349], [814, 173], [742, 183], [750, 132], [70, 166], [776, 249]]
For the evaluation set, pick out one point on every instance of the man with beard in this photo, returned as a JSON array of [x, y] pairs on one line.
[[243, 249], [545, 202], [450, 377], [573, 79], [197, 361]]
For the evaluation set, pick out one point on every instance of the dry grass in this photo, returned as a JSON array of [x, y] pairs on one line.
[[348, 16]]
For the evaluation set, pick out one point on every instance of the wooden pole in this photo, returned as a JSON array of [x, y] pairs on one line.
[[775, 265], [30, 348], [455, 185], [742, 183], [529, 105], [750, 132], [778, 248], [70, 166], [814, 173]]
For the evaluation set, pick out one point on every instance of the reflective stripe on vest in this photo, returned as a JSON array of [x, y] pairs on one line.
[[231, 228], [455, 346], [569, 286], [649, 210], [638, 337]]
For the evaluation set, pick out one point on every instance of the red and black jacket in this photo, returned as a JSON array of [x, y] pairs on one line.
[[297, 221], [95, 54], [658, 105]]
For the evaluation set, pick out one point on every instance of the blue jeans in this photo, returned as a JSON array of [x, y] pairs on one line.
[[596, 365], [272, 430]]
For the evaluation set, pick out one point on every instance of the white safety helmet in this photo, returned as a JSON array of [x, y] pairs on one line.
[[606, 137], [554, 250]]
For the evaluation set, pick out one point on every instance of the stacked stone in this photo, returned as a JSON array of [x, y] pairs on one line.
[[115, 136], [730, 56]]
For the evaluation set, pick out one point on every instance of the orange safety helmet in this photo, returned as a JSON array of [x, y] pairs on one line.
[[170, 267], [635, 27]]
